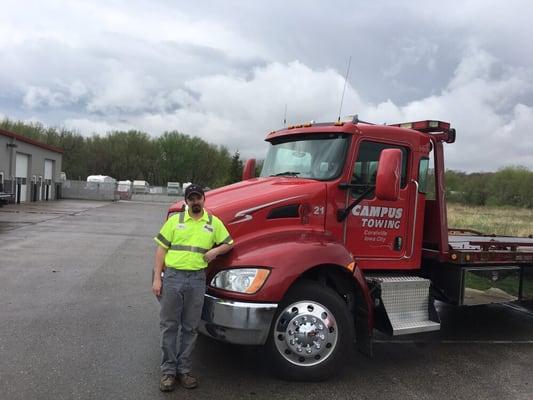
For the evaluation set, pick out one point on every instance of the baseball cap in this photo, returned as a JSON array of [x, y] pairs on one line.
[[194, 189]]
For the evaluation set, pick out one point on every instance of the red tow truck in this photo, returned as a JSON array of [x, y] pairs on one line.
[[337, 238]]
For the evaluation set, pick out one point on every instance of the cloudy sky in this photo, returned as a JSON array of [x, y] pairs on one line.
[[226, 70]]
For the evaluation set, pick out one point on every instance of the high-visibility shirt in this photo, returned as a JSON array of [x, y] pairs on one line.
[[187, 240]]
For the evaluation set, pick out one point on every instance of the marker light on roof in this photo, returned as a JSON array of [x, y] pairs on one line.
[[425, 126]]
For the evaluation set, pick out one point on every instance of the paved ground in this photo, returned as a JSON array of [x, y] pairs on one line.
[[78, 321]]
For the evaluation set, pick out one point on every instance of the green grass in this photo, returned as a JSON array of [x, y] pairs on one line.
[[507, 221], [509, 285]]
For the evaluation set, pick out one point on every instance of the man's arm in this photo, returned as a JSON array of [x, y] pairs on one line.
[[159, 263], [217, 251]]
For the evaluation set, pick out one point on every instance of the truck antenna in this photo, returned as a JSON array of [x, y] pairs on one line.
[[285, 116], [344, 89]]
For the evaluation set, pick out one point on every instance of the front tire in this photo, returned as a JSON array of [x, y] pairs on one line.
[[311, 333]]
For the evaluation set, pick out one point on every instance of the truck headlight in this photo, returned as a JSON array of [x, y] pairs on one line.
[[242, 280]]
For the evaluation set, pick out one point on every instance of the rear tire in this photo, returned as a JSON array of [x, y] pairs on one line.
[[311, 334]]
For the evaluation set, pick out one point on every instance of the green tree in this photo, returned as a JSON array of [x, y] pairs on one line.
[[511, 186], [236, 167]]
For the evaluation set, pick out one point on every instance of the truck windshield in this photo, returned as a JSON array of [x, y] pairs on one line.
[[316, 156]]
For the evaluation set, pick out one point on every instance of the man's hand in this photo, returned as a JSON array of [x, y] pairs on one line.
[[160, 254], [217, 251], [156, 286], [210, 255]]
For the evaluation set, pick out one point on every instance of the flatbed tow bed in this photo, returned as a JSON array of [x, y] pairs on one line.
[[481, 269]]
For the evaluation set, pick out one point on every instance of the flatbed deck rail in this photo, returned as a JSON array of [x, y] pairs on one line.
[[479, 249]]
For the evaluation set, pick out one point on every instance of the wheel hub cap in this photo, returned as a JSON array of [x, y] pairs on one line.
[[306, 333]]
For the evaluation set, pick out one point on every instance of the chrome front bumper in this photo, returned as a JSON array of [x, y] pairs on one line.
[[235, 321]]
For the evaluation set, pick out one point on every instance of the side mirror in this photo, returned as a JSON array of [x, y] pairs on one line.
[[389, 175], [248, 171]]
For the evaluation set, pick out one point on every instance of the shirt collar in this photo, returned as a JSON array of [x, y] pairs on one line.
[[204, 217]]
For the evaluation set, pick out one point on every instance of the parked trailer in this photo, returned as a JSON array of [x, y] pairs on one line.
[[173, 188], [124, 189], [100, 179], [337, 238], [140, 186]]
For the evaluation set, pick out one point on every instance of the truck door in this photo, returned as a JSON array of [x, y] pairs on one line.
[[377, 229]]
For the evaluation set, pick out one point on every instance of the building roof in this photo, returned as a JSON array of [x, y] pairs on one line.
[[25, 139]]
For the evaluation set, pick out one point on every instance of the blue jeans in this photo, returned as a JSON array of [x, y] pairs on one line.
[[181, 301]]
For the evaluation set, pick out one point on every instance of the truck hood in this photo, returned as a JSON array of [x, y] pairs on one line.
[[244, 206]]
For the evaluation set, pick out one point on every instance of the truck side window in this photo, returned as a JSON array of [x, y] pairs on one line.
[[366, 166], [423, 175]]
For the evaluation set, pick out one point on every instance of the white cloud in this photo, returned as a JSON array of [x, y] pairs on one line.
[[42, 96], [225, 71], [238, 112], [54, 97], [476, 102], [411, 52], [121, 89]]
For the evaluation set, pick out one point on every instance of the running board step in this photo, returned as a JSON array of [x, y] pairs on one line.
[[404, 305]]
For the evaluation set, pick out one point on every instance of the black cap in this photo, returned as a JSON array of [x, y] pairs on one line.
[[194, 189]]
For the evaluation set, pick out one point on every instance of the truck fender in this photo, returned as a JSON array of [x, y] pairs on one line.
[[288, 255]]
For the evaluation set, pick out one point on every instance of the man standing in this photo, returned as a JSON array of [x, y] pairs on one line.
[[185, 247]]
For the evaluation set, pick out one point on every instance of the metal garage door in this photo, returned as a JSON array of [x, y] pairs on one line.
[[48, 173], [21, 175]]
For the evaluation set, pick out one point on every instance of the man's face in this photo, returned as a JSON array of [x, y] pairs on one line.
[[195, 203]]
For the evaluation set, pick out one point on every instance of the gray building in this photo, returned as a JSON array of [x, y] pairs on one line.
[[29, 170]]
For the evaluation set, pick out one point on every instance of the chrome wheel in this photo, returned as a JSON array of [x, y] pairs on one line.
[[305, 333]]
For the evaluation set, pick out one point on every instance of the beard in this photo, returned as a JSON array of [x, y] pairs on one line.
[[196, 209]]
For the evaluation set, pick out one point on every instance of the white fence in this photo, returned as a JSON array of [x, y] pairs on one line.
[[89, 190], [110, 191], [158, 194]]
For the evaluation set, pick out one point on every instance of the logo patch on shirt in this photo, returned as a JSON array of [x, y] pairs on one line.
[[208, 228], [181, 226]]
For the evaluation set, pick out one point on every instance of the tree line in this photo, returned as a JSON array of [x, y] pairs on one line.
[[177, 157], [510, 186], [171, 157]]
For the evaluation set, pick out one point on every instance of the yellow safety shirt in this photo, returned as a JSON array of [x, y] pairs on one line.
[[187, 239]]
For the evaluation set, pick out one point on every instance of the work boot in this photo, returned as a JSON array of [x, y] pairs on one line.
[[188, 381], [167, 383]]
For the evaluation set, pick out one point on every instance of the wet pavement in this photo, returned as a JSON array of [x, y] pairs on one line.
[[78, 321]]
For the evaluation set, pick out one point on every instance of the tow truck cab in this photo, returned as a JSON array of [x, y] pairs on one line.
[[334, 239]]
